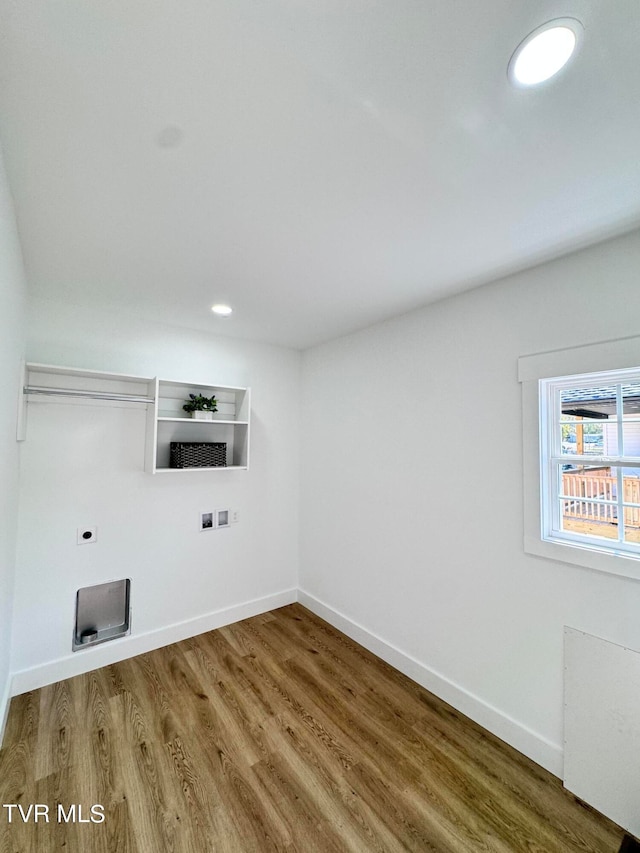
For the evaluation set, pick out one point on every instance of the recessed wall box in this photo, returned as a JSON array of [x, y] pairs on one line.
[[103, 613]]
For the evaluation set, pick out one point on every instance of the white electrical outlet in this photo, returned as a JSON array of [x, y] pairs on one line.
[[87, 535], [235, 516]]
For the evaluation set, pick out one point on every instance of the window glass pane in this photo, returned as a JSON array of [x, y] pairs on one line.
[[610, 439], [588, 503], [568, 434], [631, 437], [631, 508], [589, 402], [589, 482], [588, 437], [589, 518], [631, 486], [591, 500], [632, 524], [592, 438], [632, 534], [631, 400]]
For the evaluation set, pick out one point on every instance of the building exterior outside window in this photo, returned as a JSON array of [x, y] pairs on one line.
[[590, 461]]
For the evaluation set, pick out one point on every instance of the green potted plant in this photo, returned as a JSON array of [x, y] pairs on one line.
[[201, 408]]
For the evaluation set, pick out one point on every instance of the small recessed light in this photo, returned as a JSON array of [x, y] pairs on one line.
[[222, 310], [545, 51]]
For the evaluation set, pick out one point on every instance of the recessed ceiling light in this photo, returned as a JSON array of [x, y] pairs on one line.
[[222, 310], [545, 51]]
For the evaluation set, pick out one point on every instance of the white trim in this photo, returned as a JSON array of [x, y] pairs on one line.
[[616, 355], [5, 701], [532, 744], [589, 358], [84, 661], [585, 557]]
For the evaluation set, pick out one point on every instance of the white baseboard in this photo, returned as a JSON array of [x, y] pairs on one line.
[[532, 744], [83, 661], [5, 701], [536, 747]]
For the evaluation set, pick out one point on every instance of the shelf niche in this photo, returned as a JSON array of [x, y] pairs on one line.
[[230, 424]]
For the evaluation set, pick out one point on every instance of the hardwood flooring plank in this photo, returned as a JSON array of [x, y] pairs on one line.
[[64, 788], [181, 804], [524, 796], [223, 745], [200, 810], [311, 767], [427, 828], [321, 790], [16, 787], [258, 638], [204, 710], [22, 720], [226, 661], [154, 821], [16, 771], [307, 832], [56, 723], [119, 829], [290, 697], [381, 749], [239, 708]]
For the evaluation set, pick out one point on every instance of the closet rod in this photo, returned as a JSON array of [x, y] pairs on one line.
[[90, 395]]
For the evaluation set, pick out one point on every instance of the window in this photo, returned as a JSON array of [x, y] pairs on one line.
[[553, 425], [590, 461]]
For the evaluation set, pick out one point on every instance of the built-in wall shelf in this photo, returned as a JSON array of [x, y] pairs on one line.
[[230, 425], [189, 420], [167, 422]]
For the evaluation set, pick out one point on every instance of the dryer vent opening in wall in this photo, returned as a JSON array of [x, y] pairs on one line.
[[103, 613]]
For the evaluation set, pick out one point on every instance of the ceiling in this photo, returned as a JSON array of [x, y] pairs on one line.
[[319, 165]]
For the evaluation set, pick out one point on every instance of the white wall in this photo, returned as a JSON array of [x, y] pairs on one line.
[[12, 300], [412, 493], [83, 465]]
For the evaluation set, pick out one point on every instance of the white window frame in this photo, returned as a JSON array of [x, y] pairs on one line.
[[609, 356]]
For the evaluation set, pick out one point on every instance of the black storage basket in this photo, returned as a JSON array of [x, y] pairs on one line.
[[198, 454]]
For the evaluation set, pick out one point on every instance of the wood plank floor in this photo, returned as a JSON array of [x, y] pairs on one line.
[[277, 733]]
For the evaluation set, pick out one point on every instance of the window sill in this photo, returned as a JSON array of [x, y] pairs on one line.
[[586, 557]]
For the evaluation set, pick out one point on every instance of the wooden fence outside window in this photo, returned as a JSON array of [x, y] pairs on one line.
[[580, 489]]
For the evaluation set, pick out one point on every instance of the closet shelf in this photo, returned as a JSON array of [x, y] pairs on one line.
[[200, 423], [163, 399]]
